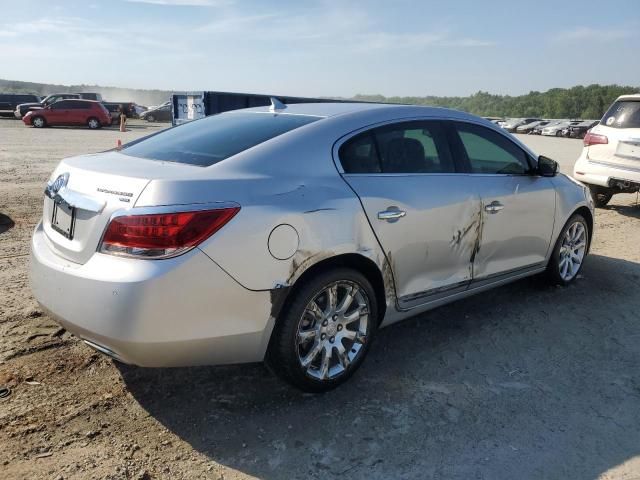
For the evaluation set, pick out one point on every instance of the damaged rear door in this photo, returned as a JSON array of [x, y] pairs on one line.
[[424, 216]]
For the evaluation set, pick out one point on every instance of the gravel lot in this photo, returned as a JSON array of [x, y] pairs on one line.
[[527, 381]]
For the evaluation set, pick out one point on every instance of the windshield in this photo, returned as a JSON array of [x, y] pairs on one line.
[[213, 139], [623, 114]]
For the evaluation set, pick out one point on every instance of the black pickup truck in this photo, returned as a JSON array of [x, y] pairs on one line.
[[9, 101]]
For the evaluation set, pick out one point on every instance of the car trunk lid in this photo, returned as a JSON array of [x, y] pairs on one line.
[[85, 191]]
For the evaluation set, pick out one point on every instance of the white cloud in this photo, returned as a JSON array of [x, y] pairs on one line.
[[57, 38], [335, 28], [595, 34], [235, 24], [185, 3]]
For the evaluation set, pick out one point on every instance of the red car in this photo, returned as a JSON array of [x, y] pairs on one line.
[[70, 112]]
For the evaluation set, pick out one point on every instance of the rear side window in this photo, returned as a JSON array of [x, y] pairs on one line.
[[623, 114], [360, 154], [408, 147], [490, 152], [215, 138], [61, 105]]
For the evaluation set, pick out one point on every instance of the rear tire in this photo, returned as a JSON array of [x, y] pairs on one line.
[[38, 122], [570, 251], [601, 195], [324, 331], [93, 123], [559, 133]]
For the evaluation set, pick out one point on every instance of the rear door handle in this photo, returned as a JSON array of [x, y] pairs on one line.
[[493, 207], [391, 214]]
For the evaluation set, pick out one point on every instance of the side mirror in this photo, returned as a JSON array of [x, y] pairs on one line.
[[547, 167]]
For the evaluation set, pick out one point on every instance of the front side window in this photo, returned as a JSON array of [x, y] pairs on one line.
[[215, 138], [490, 152], [61, 105], [408, 147]]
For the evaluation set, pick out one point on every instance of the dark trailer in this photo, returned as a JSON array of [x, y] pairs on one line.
[[187, 106]]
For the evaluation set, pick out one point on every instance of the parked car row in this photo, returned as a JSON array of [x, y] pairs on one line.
[[549, 127], [84, 108]]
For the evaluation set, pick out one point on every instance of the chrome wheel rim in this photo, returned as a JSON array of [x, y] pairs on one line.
[[37, 122], [333, 330], [572, 250], [93, 124]]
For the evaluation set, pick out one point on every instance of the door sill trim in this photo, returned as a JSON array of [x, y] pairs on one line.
[[463, 289]]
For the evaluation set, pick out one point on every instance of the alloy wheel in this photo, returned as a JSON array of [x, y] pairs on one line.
[[572, 250], [333, 330]]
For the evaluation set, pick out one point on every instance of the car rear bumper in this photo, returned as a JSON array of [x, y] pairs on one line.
[[154, 313], [603, 173]]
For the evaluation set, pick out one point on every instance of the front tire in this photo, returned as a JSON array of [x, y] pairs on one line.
[[601, 195], [324, 331], [570, 251], [151, 118], [38, 122]]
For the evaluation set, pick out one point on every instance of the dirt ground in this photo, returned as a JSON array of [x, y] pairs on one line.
[[526, 381]]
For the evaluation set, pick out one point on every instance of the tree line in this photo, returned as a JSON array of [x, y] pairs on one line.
[[590, 102]]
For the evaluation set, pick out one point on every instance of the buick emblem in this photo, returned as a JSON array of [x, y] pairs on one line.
[[59, 183]]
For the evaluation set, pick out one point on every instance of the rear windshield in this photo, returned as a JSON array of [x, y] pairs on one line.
[[213, 139], [623, 114]]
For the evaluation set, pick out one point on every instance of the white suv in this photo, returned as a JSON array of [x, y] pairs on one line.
[[610, 160]]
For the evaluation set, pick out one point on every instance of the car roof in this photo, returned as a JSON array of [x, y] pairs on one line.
[[332, 109], [78, 100], [635, 96]]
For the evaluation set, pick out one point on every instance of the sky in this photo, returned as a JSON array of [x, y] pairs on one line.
[[323, 48]]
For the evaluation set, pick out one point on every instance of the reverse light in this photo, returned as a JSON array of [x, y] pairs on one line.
[[595, 139], [163, 235]]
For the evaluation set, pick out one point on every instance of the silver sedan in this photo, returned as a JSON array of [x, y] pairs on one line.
[[291, 234]]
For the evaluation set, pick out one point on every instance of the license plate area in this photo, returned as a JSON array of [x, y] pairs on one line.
[[63, 220], [628, 149]]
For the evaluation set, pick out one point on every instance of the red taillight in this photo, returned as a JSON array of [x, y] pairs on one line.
[[595, 139], [163, 235]]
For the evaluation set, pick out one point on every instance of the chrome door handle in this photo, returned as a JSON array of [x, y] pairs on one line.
[[391, 215], [493, 207]]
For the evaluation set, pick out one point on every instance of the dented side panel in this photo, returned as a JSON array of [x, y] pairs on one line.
[[326, 216], [431, 248], [519, 235]]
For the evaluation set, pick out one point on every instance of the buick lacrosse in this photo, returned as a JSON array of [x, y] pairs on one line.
[[290, 234]]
